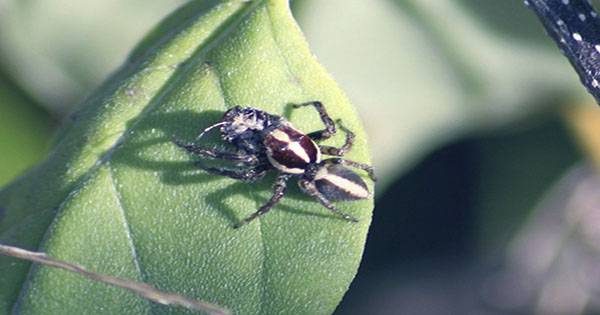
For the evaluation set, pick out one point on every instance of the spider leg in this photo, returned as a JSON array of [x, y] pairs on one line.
[[327, 121], [309, 188], [247, 175], [365, 167], [248, 159], [329, 150], [278, 191]]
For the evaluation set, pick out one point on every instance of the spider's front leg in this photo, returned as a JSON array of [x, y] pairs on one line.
[[278, 191], [247, 159], [327, 121], [247, 175], [310, 189]]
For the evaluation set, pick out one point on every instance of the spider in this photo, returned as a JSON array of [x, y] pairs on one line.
[[269, 142]]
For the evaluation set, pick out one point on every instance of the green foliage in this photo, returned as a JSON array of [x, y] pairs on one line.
[[116, 196], [23, 132], [429, 72], [59, 50]]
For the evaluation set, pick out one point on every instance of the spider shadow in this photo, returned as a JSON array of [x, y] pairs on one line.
[[149, 146], [253, 191], [288, 110]]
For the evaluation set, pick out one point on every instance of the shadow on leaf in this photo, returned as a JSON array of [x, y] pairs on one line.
[[149, 143], [218, 200]]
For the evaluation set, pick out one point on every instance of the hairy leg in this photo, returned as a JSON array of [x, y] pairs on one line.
[[247, 175], [309, 188], [329, 150], [191, 148], [278, 191], [327, 121]]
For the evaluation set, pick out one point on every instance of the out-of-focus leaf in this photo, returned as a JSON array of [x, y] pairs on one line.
[[24, 132], [443, 250], [59, 50], [118, 197], [508, 19], [422, 72], [512, 178], [552, 265]]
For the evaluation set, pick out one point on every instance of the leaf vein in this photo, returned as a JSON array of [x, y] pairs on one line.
[[130, 239], [77, 187]]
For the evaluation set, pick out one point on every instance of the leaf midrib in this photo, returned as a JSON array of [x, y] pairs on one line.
[[221, 33], [119, 197]]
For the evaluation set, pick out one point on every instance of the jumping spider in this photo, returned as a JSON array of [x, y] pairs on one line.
[[269, 142]]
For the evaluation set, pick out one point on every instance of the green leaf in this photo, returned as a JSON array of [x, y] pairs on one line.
[[117, 196], [60, 50]]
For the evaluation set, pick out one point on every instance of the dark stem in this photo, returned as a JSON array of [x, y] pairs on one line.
[[575, 27]]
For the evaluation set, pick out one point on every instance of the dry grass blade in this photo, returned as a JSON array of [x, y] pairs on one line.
[[141, 289]]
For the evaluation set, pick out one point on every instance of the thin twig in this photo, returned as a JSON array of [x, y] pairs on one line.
[[141, 289]]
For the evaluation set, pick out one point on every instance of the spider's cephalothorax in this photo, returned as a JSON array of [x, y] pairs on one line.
[[243, 127], [266, 141]]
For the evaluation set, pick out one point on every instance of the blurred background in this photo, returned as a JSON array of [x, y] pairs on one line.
[[485, 141]]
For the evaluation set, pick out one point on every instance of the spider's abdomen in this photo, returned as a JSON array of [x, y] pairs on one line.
[[289, 150], [339, 183]]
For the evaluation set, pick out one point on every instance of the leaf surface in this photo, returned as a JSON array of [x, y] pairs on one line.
[[117, 196]]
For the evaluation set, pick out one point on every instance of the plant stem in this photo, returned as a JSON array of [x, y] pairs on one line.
[[575, 27]]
